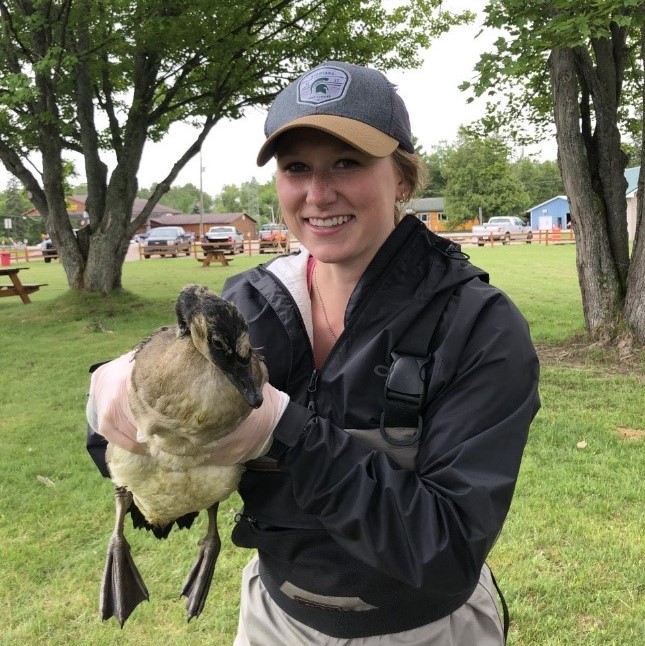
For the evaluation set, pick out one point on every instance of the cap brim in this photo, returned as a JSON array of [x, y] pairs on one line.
[[356, 133]]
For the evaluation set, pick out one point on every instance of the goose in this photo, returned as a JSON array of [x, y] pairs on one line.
[[192, 383]]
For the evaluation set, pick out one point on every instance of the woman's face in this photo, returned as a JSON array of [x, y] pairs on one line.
[[338, 201]]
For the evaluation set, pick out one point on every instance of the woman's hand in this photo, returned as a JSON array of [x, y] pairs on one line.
[[108, 411], [253, 437]]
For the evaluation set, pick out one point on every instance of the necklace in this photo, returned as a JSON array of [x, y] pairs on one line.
[[322, 304]]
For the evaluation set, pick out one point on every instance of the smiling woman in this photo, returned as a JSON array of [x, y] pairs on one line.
[[361, 444]]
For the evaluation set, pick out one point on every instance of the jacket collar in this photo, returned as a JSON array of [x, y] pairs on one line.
[[411, 263]]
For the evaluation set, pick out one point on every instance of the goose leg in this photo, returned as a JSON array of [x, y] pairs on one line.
[[198, 581], [123, 588]]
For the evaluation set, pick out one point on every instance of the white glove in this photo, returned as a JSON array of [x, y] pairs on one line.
[[254, 436], [108, 411]]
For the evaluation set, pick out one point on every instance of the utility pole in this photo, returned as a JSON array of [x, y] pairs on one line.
[[201, 198]]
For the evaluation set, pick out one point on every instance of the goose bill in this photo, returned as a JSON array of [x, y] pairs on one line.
[[242, 378]]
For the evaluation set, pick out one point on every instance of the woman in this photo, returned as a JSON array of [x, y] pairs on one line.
[[382, 464]]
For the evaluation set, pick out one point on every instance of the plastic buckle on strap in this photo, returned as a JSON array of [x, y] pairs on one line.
[[404, 392], [406, 379]]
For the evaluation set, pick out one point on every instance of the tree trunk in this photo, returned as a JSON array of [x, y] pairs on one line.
[[102, 272], [598, 275], [634, 310], [635, 300]]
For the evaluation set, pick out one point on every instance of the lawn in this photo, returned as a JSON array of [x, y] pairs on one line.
[[570, 558]]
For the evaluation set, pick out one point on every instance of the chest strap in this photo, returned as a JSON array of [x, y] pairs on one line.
[[405, 385]]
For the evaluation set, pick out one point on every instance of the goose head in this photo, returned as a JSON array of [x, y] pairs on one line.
[[220, 333]]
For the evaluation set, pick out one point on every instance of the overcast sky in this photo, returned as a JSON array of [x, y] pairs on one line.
[[437, 108]]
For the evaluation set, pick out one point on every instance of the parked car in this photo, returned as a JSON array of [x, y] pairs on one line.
[[167, 241], [140, 238], [48, 249], [500, 228], [223, 238], [274, 237]]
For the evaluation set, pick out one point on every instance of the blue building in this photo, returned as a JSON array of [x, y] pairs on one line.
[[552, 214], [556, 212]]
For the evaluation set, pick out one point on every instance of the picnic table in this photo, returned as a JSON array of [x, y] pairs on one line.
[[212, 255], [17, 287]]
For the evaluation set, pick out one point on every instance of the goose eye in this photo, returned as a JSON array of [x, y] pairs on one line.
[[219, 345]]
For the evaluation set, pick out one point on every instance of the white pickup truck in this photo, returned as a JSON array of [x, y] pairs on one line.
[[500, 228]]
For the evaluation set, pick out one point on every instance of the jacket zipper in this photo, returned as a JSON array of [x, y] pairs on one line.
[[311, 389], [313, 381]]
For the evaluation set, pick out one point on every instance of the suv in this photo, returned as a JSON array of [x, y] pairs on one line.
[[167, 240], [223, 239], [48, 250], [274, 237]]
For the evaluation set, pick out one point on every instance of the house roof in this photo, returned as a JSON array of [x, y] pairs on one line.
[[553, 199], [631, 175], [137, 207], [425, 205], [182, 219]]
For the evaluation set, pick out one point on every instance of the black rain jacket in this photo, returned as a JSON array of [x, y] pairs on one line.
[[334, 511]]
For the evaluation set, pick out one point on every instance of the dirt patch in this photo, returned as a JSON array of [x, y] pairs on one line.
[[610, 360], [630, 434]]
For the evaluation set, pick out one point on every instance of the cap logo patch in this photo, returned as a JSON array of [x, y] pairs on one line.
[[323, 85]]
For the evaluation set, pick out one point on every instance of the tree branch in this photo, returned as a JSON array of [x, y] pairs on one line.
[[164, 186]]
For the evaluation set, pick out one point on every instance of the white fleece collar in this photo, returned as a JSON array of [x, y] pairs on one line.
[[291, 271]]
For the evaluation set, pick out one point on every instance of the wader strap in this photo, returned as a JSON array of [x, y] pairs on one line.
[[505, 613], [405, 385]]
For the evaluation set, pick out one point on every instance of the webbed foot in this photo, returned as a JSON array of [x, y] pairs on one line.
[[123, 588], [198, 581]]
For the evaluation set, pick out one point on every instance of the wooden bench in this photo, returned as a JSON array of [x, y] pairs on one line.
[[25, 289], [18, 288], [214, 256]]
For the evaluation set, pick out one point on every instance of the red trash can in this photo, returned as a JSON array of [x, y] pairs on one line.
[[5, 258]]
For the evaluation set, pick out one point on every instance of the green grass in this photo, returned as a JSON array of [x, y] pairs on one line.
[[570, 558]]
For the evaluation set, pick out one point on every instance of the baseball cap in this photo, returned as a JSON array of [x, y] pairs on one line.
[[353, 103]]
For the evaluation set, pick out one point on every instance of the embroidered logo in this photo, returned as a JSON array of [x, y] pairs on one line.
[[323, 85]]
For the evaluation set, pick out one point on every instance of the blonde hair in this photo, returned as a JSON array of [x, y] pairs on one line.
[[413, 172]]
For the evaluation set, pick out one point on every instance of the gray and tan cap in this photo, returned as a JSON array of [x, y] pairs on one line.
[[355, 104]]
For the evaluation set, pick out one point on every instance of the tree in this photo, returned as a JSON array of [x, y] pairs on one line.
[[541, 180], [435, 161], [13, 203], [230, 199], [268, 202], [579, 65], [186, 198], [633, 151], [258, 200], [86, 76], [479, 176]]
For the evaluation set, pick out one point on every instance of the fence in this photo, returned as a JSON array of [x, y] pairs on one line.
[[25, 254], [252, 247], [555, 236]]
